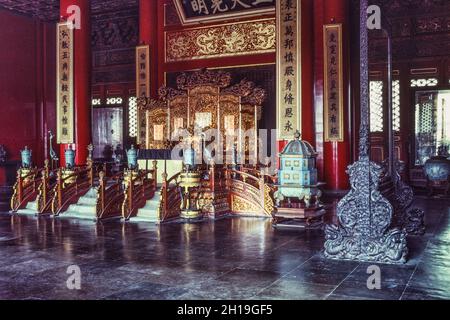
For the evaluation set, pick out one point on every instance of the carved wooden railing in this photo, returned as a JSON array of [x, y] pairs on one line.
[[70, 188], [110, 196], [46, 189], [138, 189], [25, 189], [170, 203], [252, 192]]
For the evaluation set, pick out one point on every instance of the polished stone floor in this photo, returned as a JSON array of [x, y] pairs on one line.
[[241, 258]]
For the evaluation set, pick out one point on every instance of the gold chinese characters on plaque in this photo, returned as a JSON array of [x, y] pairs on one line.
[[142, 85], [289, 95], [64, 90], [333, 84]]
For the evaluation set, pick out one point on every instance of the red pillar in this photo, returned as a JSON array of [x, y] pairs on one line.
[[337, 154], [148, 35], [82, 79]]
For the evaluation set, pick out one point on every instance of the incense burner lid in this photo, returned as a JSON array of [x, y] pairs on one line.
[[299, 148]]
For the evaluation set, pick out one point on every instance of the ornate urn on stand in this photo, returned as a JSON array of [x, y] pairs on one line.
[[26, 167], [69, 170], [26, 155], [132, 158], [190, 179], [437, 171]]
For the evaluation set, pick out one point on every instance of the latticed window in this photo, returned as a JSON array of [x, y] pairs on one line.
[[114, 101], [396, 104], [96, 102], [132, 117], [420, 83], [376, 106]]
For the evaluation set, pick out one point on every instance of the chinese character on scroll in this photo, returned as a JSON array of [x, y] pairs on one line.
[[142, 85], [64, 90], [289, 95], [333, 84]]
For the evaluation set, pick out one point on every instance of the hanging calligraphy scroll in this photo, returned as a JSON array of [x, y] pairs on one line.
[[201, 11], [64, 90], [333, 84], [142, 85], [289, 94]]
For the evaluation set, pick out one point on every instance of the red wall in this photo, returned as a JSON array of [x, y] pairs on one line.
[[27, 84]]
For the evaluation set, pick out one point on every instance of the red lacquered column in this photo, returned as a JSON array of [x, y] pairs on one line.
[[308, 126], [148, 35], [337, 154], [82, 79], [318, 84]]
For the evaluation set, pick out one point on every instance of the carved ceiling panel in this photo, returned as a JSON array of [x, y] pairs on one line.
[[48, 10], [419, 28], [115, 30], [402, 8]]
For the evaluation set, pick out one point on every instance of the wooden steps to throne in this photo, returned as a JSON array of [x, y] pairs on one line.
[[85, 208], [149, 213]]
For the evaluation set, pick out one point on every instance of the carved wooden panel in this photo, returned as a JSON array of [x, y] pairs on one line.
[[115, 34], [263, 76]]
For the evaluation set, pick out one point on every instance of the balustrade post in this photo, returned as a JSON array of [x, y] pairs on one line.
[[144, 180], [35, 174], [46, 167], [155, 173], [164, 196], [130, 193], [59, 188], [262, 185], [44, 186], [19, 186], [102, 188], [212, 176], [90, 167]]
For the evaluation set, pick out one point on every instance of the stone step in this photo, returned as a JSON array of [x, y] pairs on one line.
[[32, 205], [78, 215], [149, 212], [85, 208], [92, 193], [88, 201], [81, 208], [27, 212]]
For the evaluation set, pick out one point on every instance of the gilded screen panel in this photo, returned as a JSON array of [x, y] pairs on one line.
[[221, 41]]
